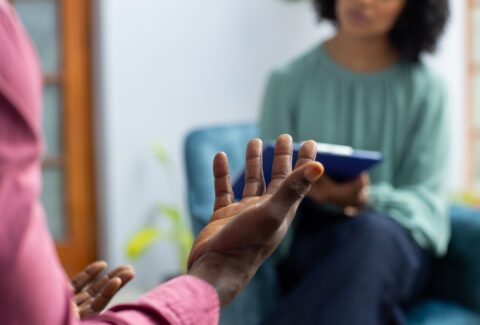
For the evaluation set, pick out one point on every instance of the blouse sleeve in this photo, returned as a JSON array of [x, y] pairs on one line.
[[418, 197]]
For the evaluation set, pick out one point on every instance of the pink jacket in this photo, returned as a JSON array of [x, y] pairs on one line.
[[33, 286]]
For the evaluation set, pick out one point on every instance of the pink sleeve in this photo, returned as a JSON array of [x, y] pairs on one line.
[[33, 285], [185, 300]]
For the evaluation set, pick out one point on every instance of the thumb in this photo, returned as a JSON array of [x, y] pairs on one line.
[[294, 188]]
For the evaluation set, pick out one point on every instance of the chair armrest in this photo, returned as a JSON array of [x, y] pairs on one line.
[[457, 275]]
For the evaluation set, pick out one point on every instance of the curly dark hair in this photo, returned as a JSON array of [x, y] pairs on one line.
[[417, 30]]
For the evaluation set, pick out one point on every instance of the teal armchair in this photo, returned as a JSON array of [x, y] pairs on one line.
[[455, 285]]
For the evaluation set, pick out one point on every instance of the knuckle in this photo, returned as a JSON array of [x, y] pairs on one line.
[[297, 188], [273, 217]]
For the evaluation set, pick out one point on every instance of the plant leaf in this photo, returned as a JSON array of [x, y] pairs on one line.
[[141, 240], [172, 212], [162, 154]]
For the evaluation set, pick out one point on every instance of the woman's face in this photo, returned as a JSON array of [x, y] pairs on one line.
[[368, 18]]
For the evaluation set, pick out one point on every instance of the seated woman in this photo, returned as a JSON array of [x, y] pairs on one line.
[[366, 88]]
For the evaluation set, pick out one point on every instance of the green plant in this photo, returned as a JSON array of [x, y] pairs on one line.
[[177, 230]]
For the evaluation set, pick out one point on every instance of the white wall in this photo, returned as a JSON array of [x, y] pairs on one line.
[[449, 60], [166, 66]]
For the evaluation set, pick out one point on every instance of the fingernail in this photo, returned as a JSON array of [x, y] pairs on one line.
[[314, 172]]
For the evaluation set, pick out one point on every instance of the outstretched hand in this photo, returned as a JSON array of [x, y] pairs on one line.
[[92, 300], [241, 236]]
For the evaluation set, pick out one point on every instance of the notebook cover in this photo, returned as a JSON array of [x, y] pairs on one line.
[[339, 167]]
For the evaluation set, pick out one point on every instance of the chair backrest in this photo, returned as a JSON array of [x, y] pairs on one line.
[[200, 147], [457, 275]]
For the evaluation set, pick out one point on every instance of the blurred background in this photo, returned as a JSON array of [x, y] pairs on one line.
[[125, 81]]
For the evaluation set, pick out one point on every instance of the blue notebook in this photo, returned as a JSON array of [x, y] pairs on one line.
[[341, 163]]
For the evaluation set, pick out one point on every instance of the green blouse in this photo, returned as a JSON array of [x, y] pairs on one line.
[[399, 111]]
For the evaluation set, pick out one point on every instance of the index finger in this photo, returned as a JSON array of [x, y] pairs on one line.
[[80, 280], [124, 272], [295, 187], [307, 153]]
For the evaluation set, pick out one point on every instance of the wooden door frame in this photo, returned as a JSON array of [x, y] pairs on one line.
[[80, 245]]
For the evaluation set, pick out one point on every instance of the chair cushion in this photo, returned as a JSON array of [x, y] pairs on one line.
[[456, 277], [200, 147], [441, 312]]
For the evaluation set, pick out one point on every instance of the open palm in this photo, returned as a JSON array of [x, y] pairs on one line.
[[240, 236], [92, 295]]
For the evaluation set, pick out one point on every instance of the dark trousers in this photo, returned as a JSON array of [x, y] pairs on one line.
[[342, 270]]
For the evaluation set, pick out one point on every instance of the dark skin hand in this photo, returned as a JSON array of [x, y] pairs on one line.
[[241, 236], [94, 298]]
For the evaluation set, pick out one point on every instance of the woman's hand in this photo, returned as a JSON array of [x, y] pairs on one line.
[[349, 196], [240, 236], [91, 300]]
